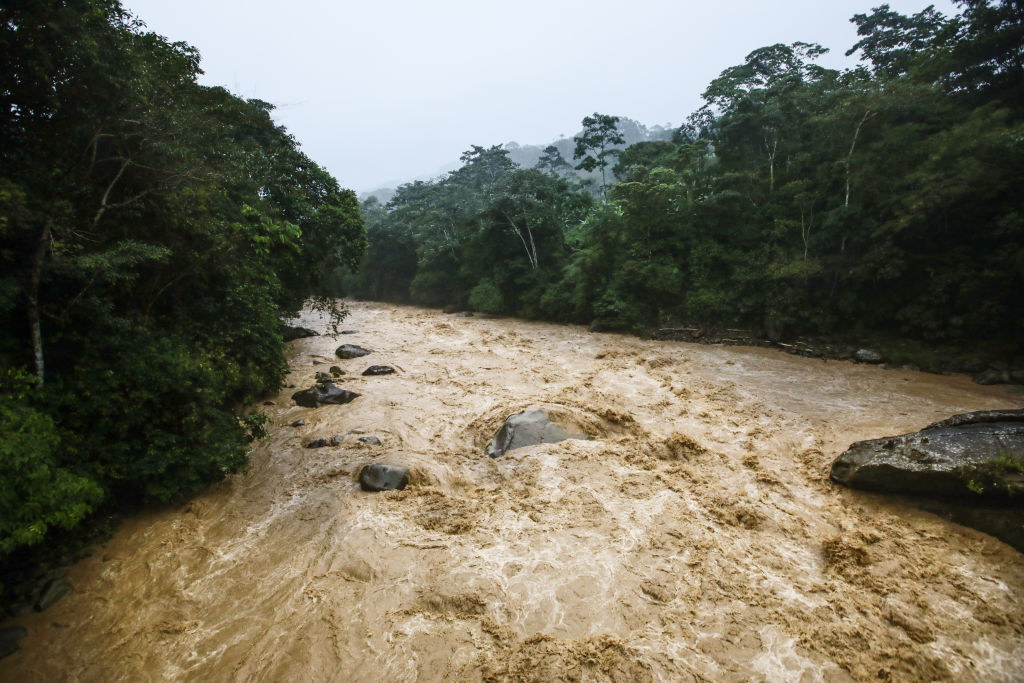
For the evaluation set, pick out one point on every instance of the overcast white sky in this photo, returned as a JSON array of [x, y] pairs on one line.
[[384, 91]]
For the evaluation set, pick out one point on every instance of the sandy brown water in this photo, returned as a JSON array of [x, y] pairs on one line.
[[696, 536]]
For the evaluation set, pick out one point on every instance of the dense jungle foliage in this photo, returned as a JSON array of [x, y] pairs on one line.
[[152, 233], [881, 200]]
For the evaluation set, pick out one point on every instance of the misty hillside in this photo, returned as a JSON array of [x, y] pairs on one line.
[[527, 156]]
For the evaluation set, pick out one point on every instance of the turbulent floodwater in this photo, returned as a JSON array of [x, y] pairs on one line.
[[695, 536]]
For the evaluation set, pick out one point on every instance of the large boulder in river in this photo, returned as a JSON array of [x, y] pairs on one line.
[[346, 351], [323, 393], [979, 455], [379, 477], [528, 428]]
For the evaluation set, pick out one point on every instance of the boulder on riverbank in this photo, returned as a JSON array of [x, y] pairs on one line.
[[976, 455], [323, 393], [970, 467], [527, 428], [291, 333], [347, 351]]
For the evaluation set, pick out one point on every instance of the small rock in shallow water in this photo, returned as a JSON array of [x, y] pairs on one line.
[[298, 423], [347, 351], [291, 333], [323, 393], [9, 637], [347, 332], [378, 370], [54, 591], [372, 440], [867, 356], [317, 443], [336, 440], [383, 477], [323, 377], [336, 371]]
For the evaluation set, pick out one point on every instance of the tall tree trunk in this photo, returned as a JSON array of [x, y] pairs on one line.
[[35, 277]]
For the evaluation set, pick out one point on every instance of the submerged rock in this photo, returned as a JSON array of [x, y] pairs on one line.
[[528, 428], [993, 376], [372, 440], [323, 393], [9, 637], [347, 351], [378, 370], [336, 371], [337, 439], [291, 333], [379, 477], [979, 455], [54, 590], [347, 332], [317, 443], [298, 423]]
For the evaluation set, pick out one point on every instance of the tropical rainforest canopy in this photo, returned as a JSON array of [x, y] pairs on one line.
[[884, 199], [152, 233]]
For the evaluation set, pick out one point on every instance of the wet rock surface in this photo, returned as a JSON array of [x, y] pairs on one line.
[[348, 351], [867, 356], [528, 428], [291, 333], [323, 393], [374, 370], [967, 455], [9, 637], [379, 477], [372, 440], [54, 591]]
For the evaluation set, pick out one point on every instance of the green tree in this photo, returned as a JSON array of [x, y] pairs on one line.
[[596, 145]]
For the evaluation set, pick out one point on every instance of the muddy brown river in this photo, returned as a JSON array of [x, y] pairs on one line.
[[695, 536]]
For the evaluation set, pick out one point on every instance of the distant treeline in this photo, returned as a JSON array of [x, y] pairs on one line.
[[882, 200], [152, 231]]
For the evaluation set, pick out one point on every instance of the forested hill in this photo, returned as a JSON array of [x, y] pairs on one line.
[[152, 232], [881, 200], [632, 132]]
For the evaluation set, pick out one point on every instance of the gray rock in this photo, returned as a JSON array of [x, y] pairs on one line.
[[317, 443], [336, 371], [9, 637], [372, 440], [323, 377], [347, 332], [974, 455], [53, 591], [336, 440], [291, 333], [323, 393], [527, 428], [346, 351], [992, 376], [298, 423], [378, 370], [867, 356], [378, 477]]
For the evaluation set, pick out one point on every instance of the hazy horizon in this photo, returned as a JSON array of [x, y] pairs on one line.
[[385, 93]]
